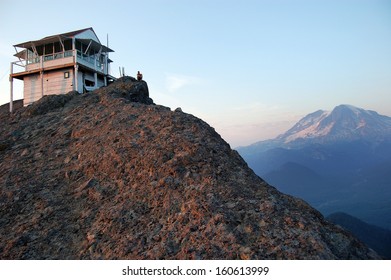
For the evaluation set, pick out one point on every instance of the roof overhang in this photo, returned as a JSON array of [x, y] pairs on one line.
[[21, 54], [54, 39], [44, 41], [62, 37], [95, 45]]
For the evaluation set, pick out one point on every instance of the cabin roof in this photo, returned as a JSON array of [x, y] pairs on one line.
[[67, 35]]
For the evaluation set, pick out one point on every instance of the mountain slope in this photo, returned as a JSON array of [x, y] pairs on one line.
[[299, 181], [377, 238], [96, 176]]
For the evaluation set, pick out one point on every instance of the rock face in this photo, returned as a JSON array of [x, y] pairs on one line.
[[97, 176], [130, 89]]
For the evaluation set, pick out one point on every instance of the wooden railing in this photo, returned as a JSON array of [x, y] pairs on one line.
[[60, 58]]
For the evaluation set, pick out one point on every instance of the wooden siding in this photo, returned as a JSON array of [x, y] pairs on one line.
[[50, 63], [32, 89], [55, 83], [80, 82], [57, 62]]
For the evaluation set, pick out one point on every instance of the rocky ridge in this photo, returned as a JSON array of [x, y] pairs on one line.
[[109, 175]]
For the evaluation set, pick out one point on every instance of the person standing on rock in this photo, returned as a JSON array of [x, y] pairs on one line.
[[139, 76]]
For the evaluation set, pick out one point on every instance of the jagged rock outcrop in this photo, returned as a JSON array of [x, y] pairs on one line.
[[99, 177], [130, 89]]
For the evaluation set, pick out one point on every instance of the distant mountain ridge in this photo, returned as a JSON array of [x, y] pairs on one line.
[[337, 160], [375, 237], [343, 123]]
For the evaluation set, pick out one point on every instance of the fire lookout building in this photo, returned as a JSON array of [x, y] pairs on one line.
[[61, 63]]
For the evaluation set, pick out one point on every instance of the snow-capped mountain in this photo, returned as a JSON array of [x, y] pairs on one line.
[[344, 122], [337, 160]]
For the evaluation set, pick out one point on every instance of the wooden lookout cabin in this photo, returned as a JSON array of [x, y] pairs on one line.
[[61, 63]]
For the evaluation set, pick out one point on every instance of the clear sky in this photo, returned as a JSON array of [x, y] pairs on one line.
[[250, 69]]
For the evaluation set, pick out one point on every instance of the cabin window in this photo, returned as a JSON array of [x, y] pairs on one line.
[[66, 75], [49, 48], [89, 83], [31, 57], [39, 50], [68, 45], [78, 45], [57, 47]]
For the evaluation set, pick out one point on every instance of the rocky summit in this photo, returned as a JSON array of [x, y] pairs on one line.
[[110, 175]]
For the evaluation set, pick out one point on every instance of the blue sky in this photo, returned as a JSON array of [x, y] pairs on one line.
[[250, 69]]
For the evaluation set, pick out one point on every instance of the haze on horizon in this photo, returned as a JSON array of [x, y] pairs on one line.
[[251, 69]]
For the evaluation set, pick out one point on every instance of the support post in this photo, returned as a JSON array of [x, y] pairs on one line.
[[11, 88], [76, 77], [75, 64], [42, 87], [96, 80], [41, 72]]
